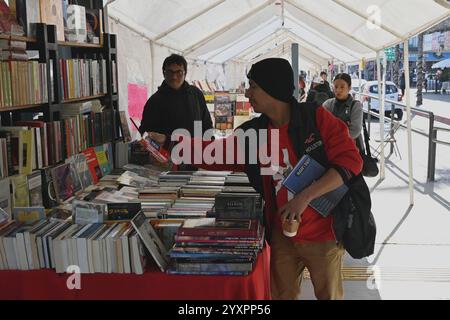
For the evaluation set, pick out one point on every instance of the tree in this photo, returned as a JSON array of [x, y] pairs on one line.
[[420, 75], [398, 57]]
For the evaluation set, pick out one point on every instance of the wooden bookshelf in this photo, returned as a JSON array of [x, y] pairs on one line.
[[15, 108], [79, 44], [17, 38], [84, 98]]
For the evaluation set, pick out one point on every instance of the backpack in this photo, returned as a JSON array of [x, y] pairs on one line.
[[354, 224]]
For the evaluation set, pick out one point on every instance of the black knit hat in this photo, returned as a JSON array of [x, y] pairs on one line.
[[275, 76]]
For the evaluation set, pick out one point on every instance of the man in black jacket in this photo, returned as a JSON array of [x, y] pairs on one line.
[[176, 104]]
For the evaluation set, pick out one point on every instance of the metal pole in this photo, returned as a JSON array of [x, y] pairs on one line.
[[408, 114], [295, 65], [431, 149], [381, 90]]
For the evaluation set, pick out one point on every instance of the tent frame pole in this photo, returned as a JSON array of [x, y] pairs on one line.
[[381, 91], [408, 120]]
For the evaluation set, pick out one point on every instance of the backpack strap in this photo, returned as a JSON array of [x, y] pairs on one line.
[[366, 138]]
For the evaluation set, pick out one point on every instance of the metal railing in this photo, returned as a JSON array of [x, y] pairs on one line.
[[432, 130], [432, 164]]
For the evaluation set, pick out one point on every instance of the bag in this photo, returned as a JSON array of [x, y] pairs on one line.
[[370, 166], [354, 224]]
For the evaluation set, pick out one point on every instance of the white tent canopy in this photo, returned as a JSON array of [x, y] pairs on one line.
[[220, 30], [442, 64]]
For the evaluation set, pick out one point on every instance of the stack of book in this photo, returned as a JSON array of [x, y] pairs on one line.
[[237, 179], [95, 248], [13, 50], [186, 208], [216, 247], [174, 178]]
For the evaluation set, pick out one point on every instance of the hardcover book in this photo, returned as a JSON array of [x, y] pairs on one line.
[[237, 205], [5, 196], [28, 215], [66, 186], [79, 162], [35, 189], [126, 135], [76, 23], [151, 240], [220, 228], [20, 195], [303, 175], [48, 188], [93, 164], [123, 211], [52, 13], [84, 212], [94, 28]]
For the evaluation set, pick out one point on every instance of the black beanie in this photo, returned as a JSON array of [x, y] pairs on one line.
[[275, 76]]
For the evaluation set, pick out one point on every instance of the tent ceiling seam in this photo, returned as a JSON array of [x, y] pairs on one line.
[[256, 46], [179, 25], [331, 26], [365, 17], [262, 26], [330, 42], [290, 40], [228, 26]]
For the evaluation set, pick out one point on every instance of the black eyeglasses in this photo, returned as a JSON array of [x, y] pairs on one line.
[[178, 73]]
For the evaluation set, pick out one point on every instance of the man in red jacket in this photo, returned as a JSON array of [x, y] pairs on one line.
[[315, 245]]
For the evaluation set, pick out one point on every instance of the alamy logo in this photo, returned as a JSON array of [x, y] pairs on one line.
[[374, 280], [249, 147], [374, 19], [74, 281]]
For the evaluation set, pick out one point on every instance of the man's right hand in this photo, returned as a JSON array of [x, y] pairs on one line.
[[158, 137]]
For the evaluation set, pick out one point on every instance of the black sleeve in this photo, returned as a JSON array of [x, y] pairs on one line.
[[151, 117]]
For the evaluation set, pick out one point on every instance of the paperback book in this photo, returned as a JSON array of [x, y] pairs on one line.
[[303, 175]]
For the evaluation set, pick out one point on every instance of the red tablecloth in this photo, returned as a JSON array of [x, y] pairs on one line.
[[153, 284]]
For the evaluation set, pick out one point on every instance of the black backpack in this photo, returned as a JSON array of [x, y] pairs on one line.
[[354, 224]]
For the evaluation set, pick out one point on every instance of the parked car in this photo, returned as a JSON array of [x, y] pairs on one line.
[[392, 93], [355, 88]]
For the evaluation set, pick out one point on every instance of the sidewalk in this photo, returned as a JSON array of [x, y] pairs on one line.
[[412, 254]]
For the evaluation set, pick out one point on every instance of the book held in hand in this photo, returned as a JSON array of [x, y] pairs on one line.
[[303, 175], [157, 151]]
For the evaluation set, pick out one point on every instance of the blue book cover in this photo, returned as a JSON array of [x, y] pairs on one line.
[[303, 175]]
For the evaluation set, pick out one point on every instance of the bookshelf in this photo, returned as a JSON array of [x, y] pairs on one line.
[[80, 45], [17, 38], [52, 91]]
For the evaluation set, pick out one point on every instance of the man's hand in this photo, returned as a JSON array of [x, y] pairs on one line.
[[295, 208], [158, 137]]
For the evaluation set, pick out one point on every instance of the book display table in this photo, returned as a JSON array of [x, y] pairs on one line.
[[152, 285]]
